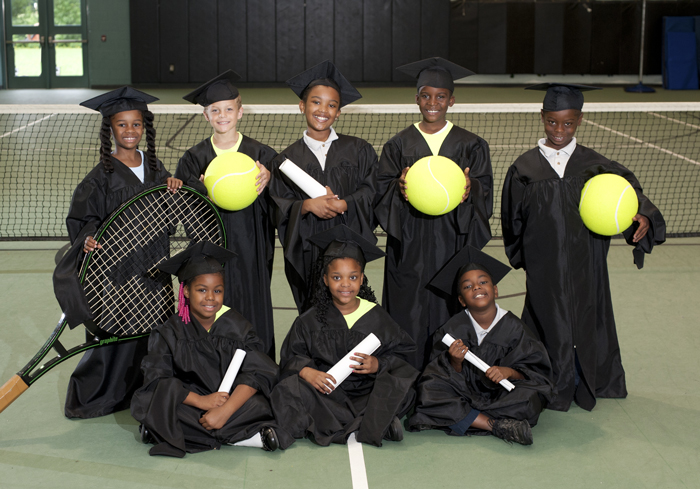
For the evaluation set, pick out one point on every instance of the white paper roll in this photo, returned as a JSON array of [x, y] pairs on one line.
[[232, 371], [302, 179], [341, 370], [477, 362]]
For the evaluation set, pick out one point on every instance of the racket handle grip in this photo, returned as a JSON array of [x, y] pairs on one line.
[[12, 389]]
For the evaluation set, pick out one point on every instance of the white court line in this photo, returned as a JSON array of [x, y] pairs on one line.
[[357, 463], [28, 125], [674, 120], [648, 145]]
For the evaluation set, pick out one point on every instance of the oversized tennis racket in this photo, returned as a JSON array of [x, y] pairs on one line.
[[126, 294]]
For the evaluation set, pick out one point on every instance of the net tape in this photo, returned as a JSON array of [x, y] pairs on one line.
[[125, 292], [45, 151]]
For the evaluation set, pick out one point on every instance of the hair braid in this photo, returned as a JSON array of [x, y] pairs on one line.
[[106, 145], [150, 140]]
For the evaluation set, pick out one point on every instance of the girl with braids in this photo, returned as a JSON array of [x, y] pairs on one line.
[[106, 377], [306, 401]]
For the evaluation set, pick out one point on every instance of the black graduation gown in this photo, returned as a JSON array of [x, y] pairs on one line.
[[106, 377], [366, 402], [568, 302], [418, 245], [184, 358], [351, 174], [446, 397], [250, 233]]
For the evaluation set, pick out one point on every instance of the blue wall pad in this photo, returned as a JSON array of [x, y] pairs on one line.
[[681, 63]]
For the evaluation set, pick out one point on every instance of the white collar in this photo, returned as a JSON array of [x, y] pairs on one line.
[[481, 332], [316, 145], [550, 152]]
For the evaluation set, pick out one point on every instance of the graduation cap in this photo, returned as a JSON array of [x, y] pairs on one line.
[[435, 72], [342, 242], [325, 70], [562, 96], [468, 258], [198, 259], [215, 90], [119, 100]]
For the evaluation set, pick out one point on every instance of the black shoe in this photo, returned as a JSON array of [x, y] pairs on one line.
[[512, 430], [269, 439], [146, 436], [394, 432]]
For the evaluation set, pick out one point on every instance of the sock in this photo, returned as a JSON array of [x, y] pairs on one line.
[[254, 441]]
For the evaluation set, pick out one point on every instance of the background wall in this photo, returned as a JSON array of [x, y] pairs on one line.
[[109, 61]]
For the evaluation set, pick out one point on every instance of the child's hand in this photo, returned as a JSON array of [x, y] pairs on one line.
[[322, 207], [497, 374], [173, 184], [212, 401], [456, 354], [642, 229], [467, 187], [339, 206], [91, 245], [322, 382], [215, 419], [262, 179], [402, 183], [367, 364]]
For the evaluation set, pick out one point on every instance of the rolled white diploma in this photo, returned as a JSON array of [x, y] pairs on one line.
[[477, 362], [232, 371], [302, 179], [341, 370]]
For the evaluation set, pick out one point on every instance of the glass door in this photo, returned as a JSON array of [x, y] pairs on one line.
[[46, 43]]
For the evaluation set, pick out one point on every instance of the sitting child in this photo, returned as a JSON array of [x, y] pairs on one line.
[[380, 389], [458, 398], [179, 406]]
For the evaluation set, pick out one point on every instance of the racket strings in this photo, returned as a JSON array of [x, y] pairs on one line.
[[126, 293]]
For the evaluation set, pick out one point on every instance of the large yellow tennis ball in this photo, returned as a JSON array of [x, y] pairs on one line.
[[435, 185], [608, 204], [230, 181]]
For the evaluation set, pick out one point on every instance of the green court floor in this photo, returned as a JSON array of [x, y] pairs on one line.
[[649, 440]]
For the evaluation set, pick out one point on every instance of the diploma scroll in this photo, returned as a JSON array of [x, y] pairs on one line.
[[342, 370], [302, 179], [232, 371], [477, 362]]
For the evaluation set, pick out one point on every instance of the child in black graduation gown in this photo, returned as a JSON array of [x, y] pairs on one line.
[[178, 405], [418, 245], [380, 389], [568, 302], [106, 377], [455, 396], [346, 165], [250, 232]]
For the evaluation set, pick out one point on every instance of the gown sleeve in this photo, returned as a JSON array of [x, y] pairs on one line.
[[258, 370], [189, 169], [295, 354], [360, 202], [512, 219]]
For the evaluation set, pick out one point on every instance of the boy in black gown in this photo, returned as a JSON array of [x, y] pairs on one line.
[[250, 232], [345, 165], [454, 395], [418, 245], [568, 302], [179, 405], [379, 391], [106, 377]]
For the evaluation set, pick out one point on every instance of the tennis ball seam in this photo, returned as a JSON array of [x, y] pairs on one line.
[[617, 208], [213, 187], [447, 194]]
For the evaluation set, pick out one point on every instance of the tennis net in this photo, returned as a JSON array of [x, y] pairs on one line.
[[45, 151]]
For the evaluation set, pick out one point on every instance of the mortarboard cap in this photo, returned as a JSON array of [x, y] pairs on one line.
[[562, 96], [198, 259], [342, 242], [215, 90], [468, 258], [324, 70], [119, 100], [435, 72]]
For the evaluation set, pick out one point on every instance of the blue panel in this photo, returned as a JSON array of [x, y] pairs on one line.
[[681, 63], [679, 24]]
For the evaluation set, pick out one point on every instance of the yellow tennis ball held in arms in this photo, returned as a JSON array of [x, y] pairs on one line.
[[608, 204], [435, 185], [230, 181]]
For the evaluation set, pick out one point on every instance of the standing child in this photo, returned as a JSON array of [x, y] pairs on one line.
[[418, 245], [568, 299], [179, 405], [106, 377], [380, 389], [250, 232], [455, 396], [345, 165]]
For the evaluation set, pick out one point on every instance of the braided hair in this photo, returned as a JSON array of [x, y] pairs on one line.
[[106, 142], [321, 297]]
